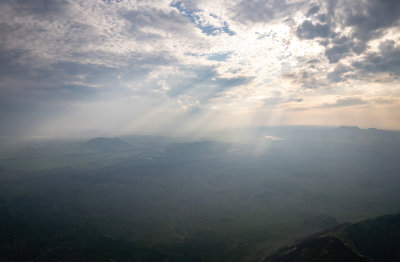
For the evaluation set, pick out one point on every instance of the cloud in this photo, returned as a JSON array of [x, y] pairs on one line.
[[208, 23], [255, 11], [308, 30], [368, 17], [306, 79], [279, 100], [40, 7], [345, 102], [337, 75], [151, 23], [349, 25], [70, 58], [387, 60], [205, 84], [312, 10]]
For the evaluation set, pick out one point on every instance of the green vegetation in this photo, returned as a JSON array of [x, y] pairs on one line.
[[153, 199], [376, 240]]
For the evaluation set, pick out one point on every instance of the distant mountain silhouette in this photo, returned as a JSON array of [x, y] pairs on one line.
[[349, 128], [106, 144], [374, 240]]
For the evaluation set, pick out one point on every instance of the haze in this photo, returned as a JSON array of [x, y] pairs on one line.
[[201, 131]]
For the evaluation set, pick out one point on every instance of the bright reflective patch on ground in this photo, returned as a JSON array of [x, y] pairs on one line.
[[273, 138]]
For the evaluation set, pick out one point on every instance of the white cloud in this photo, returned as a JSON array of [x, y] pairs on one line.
[[240, 56]]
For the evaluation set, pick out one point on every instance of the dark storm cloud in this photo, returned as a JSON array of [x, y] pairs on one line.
[[308, 30], [342, 47], [387, 60], [367, 20], [336, 52], [368, 17], [322, 18], [313, 10]]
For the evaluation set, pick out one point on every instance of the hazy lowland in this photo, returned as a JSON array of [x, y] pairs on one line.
[[222, 198]]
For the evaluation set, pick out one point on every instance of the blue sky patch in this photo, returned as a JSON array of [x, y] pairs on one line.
[[194, 18], [219, 56]]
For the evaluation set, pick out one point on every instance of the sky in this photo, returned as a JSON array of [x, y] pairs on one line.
[[119, 67]]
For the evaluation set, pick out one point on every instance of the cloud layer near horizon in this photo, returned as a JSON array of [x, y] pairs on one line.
[[123, 66]]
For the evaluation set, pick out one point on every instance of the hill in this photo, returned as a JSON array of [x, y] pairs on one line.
[[375, 240], [106, 144]]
